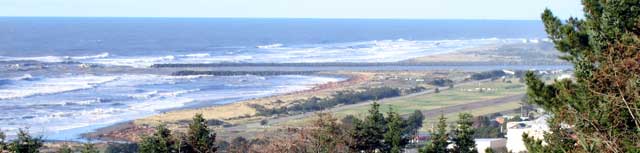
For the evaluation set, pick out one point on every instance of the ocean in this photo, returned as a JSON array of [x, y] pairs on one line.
[[60, 105]]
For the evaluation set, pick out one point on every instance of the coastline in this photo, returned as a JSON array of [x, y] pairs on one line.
[[232, 113]]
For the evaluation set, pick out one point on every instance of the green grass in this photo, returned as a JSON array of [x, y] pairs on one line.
[[458, 95], [455, 96], [430, 121]]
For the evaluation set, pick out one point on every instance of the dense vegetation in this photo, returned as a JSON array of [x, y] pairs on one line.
[[461, 136], [488, 75], [441, 82], [375, 132], [198, 139], [341, 97], [598, 110], [231, 73]]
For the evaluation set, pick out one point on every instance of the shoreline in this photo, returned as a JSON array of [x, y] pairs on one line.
[[130, 130]]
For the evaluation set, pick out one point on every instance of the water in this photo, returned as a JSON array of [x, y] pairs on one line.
[[141, 42], [62, 104]]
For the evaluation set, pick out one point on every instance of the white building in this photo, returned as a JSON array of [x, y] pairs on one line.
[[535, 128], [493, 143]]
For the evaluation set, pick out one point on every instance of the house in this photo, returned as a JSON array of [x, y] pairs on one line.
[[493, 143], [534, 128]]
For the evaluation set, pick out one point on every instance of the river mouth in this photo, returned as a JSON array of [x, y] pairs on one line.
[[61, 106]]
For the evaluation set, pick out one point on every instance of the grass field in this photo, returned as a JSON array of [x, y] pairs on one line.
[[458, 95]]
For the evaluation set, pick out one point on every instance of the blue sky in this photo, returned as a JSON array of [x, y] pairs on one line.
[[402, 9]]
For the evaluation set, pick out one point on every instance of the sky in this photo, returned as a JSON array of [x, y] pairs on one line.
[[394, 9]]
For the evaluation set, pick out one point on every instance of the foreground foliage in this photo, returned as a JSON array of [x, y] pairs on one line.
[[599, 110], [199, 139]]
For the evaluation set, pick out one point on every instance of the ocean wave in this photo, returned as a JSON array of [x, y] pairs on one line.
[[53, 59], [45, 86], [270, 46], [145, 95], [363, 51]]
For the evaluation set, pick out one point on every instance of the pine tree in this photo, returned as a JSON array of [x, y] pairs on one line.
[[160, 141], [414, 122], [488, 150], [327, 136], [395, 138], [463, 135], [25, 143], [439, 138], [368, 134], [200, 139], [3, 143], [598, 110]]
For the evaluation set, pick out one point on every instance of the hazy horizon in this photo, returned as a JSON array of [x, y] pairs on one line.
[[331, 9]]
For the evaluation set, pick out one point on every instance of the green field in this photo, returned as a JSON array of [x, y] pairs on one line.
[[462, 94]]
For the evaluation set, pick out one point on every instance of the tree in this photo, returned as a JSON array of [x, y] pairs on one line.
[[160, 141], [3, 143], [368, 134], [327, 136], [488, 150], [414, 122], [439, 138], [599, 107], [348, 121], [200, 138], [25, 143], [89, 148], [463, 135], [396, 136]]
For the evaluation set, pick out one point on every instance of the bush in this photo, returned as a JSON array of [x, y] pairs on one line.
[[488, 75], [441, 82]]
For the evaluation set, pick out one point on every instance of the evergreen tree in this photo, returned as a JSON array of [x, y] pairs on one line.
[[3, 143], [160, 141], [598, 109], [395, 138], [368, 134], [327, 136], [348, 121], [200, 139], [89, 148], [439, 138], [488, 150], [25, 143], [463, 135], [414, 122]]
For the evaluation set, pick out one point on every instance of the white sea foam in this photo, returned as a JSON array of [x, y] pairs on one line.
[[365, 51], [135, 95], [270, 46], [55, 58], [25, 88]]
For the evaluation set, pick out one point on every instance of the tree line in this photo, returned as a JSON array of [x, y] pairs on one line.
[[340, 97]]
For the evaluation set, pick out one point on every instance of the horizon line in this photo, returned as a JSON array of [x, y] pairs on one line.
[[302, 18]]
